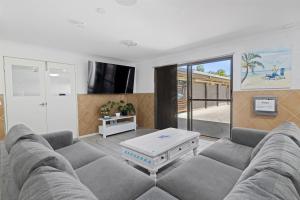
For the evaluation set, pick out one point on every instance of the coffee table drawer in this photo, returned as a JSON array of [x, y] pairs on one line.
[[161, 159], [187, 146], [194, 142]]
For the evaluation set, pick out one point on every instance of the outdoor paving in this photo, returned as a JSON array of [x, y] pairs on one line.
[[212, 122], [214, 114]]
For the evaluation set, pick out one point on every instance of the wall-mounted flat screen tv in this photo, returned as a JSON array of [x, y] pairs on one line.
[[106, 78]]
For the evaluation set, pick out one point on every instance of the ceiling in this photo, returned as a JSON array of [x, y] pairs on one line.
[[158, 26]]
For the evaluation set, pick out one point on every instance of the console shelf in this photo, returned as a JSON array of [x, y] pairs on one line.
[[116, 125]]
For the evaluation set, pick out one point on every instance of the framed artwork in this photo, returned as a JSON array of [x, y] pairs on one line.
[[270, 69]]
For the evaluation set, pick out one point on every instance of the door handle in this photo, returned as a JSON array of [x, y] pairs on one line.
[[43, 104]]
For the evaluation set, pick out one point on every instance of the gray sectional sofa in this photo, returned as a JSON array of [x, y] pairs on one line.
[[56, 167], [252, 164]]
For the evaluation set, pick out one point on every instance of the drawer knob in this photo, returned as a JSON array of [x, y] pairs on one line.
[[193, 142], [179, 149], [162, 157]]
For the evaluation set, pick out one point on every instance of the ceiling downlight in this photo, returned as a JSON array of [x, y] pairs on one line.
[[101, 11]]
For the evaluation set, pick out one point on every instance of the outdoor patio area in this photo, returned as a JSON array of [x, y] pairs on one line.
[[213, 121]]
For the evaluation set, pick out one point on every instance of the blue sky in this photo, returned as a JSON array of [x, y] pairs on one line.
[[215, 66]]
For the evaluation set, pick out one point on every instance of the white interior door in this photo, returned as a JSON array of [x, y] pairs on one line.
[[61, 97], [25, 93]]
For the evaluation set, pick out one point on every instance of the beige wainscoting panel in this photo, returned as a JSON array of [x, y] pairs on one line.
[[288, 109], [88, 110], [2, 121], [145, 111]]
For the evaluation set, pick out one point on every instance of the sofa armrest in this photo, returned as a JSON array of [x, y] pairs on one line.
[[247, 136], [59, 139]]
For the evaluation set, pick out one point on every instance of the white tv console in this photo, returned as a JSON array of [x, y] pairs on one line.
[[114, 125]]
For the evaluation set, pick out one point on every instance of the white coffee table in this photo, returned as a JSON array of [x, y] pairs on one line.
[[157, 149]]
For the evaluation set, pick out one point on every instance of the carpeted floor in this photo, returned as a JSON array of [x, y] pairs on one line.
[[111, 146]]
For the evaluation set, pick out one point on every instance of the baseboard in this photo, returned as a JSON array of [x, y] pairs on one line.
[[88, 135]]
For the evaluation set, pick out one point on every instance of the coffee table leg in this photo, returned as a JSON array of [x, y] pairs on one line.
[[153, 174], [195, 151]]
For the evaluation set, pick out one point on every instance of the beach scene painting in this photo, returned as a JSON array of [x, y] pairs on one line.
[[270, 69]]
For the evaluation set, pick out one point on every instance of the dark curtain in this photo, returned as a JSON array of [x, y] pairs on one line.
[[166, 97]]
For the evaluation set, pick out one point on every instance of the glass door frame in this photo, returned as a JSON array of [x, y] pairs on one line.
[[190, 98]]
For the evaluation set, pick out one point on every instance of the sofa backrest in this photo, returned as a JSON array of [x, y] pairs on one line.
[[21, 131], [59, 139], [275, 167], [289, 129], [8, 187], [280, 155], [32, 159], [48, 183], [264, 185], [27, 155]]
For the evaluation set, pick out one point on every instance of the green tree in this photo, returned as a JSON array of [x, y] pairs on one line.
[[249, 63], [221, 72], [200, 68]]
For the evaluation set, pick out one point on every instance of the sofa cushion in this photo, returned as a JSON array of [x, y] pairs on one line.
[[200, 178], [288, 128], [80, 154], [228, 152], [110, 179], [26, 156], [156, 194], [48, 183], [264, 185], [21, 131], [280, 154]]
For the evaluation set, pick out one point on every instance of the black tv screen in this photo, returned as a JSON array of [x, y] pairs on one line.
[[105, 78]]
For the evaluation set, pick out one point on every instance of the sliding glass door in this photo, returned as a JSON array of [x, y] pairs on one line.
[[204, 96]]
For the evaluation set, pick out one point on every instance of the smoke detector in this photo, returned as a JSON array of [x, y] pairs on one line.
[[126, 2], [129, 43], [77, 23]]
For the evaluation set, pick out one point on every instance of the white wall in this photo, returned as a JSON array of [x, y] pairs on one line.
[[145, 72], [21, 50], [275, 39]]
